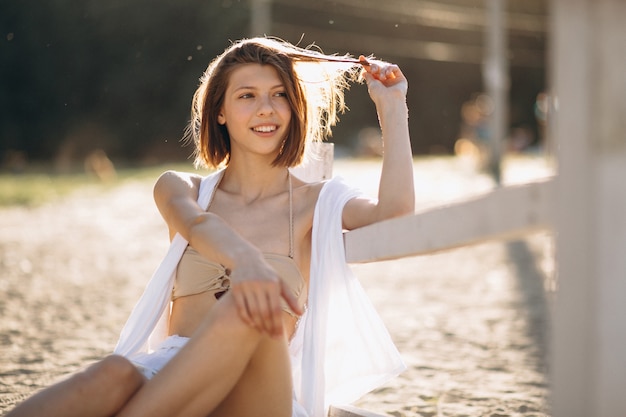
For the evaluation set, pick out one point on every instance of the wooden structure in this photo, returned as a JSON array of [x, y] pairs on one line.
[[588, 61], [585, 206]]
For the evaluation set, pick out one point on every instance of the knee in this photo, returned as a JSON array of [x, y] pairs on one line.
[[116, 376], [118, 368]]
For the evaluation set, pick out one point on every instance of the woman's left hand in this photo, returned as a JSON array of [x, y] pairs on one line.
[[384, 81]]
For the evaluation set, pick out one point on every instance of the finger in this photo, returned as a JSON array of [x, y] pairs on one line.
[[242, 307], [389, 70], [384, 71], [263, 315], [374, 69], [291, 299], [389, 73], [275, 319], [267, 308], [257, 311], [369, 78]]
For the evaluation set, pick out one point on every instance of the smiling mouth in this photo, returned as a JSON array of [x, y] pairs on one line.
[[265, 129]]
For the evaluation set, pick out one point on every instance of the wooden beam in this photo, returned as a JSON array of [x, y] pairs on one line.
[[496, 82], [503, 213], [350, 411], [260, 17], [429, 14], [588, 343]]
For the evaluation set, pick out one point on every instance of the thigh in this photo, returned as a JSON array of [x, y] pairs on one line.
[[263, 389]]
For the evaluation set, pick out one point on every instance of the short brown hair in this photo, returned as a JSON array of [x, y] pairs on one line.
[[309, 120]]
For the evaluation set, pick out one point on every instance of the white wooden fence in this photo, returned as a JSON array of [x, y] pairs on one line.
[[584, 205]]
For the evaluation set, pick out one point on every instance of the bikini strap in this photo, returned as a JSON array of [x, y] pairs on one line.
[[290, 215]]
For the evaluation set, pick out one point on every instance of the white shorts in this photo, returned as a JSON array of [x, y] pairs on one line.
[[151, 363]]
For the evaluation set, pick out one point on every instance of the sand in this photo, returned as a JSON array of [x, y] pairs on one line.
[[471, 324]]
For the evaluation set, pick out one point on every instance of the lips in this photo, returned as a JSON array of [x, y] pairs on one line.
[[265, 128]]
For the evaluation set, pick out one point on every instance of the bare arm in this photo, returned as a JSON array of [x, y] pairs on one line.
[[387, 87], [176, 194], [255, 285]]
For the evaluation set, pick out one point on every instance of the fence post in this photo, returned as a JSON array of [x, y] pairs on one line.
[[260, 17], [588, 62], [496, 79]]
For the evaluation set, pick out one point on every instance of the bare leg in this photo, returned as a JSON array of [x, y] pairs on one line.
[[265, 388], [224, 361], [98, 391]]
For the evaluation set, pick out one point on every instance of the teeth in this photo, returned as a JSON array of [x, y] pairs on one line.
[[265, 129]]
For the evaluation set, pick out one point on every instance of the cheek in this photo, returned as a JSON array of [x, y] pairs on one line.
[[285, 109]]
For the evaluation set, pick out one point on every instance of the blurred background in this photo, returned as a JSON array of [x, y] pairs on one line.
[[112, 80], [103, 87]]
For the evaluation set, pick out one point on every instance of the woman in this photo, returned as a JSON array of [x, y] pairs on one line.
[[253, 311]]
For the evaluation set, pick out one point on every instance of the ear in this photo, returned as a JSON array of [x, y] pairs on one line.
[[221, 119]]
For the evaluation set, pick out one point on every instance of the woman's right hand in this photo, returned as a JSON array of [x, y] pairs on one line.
[[257, 290]]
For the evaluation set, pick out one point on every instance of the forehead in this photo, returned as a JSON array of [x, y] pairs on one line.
[[254, 75]]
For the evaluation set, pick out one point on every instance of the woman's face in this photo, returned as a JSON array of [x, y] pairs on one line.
[[256, 111]]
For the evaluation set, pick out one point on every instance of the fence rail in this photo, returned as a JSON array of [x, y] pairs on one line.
[[504, 213]]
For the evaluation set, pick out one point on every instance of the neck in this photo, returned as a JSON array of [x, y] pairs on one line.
[[253, 182]]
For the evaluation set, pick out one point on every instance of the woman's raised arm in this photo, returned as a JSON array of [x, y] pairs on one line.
[[387, 87]]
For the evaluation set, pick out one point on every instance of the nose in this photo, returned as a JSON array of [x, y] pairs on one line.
[[266, 106]]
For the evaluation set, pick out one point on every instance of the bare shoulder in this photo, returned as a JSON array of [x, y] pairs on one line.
[[171, 181], [175, 185], [172, 177]]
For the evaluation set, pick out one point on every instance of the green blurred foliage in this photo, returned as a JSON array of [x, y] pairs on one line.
[[38, 186], [115, 74]]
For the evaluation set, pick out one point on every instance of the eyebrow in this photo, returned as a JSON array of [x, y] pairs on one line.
[[248, 87]]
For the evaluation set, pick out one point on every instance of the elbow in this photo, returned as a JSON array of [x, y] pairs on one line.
[[404, 205], [408, 208], [404, 209], [194, 228], [399, 209]]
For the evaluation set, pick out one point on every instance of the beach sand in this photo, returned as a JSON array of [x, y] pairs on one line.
[[471, 323]]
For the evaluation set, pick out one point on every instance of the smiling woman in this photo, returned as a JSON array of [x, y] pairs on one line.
[[254, 310]]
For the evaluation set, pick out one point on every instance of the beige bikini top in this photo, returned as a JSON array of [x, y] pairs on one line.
[[196, 274]]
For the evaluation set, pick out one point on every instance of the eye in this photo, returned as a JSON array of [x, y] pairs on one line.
[[246, 95], [281, 94]]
